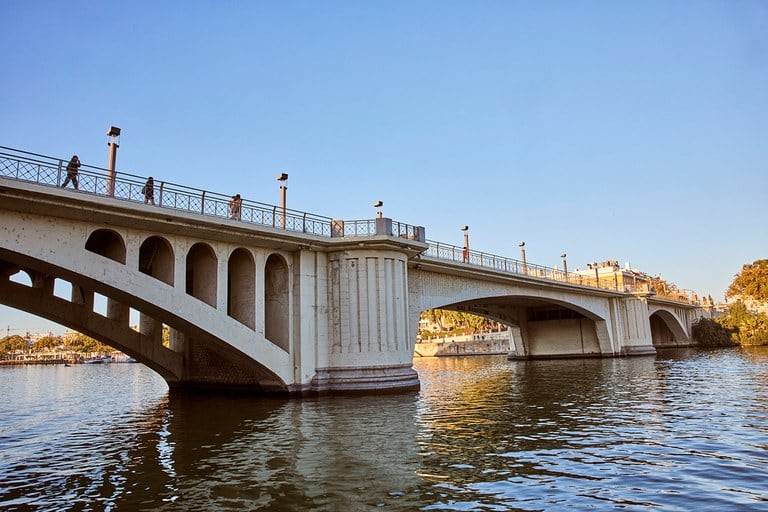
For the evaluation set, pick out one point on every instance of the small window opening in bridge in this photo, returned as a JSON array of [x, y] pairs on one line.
[[99, 304], [134, 319], [62, 289], [21, 277]]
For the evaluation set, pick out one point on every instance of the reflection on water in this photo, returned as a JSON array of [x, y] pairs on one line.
[[680, 431]]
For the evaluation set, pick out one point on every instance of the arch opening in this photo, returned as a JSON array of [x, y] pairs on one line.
[[666, 331], [202, 273], [107, 243], [276, 301], [156, 259], [241, 288]]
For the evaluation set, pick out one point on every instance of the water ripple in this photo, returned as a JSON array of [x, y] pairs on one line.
[[686, 430]]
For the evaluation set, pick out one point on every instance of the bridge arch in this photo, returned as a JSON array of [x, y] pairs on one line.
[[241, 287], [156, 259], [666, 329], [276, 301], [202, 272], [107, 243]]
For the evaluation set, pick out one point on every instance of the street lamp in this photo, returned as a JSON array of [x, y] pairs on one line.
[[378, 205], [282, 178], [465, 254], [565, 266], [113, 141], [521, 245]]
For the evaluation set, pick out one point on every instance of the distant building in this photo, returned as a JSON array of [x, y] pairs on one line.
[[610, 275]]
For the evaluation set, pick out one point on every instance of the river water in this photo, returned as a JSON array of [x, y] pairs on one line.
[[682, 430]]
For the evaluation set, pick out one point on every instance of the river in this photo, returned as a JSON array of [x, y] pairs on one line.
[[683, 430]]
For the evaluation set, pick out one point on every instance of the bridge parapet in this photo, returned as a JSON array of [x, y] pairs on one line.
[[448, 252], [50, 171]]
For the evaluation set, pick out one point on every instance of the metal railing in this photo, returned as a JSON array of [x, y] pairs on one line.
[[381, 226], [458, 254], [44, 170]]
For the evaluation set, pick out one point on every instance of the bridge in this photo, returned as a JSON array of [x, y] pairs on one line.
[[283, 301]]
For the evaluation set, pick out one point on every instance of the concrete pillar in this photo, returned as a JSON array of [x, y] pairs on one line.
[[118, 312], [637, 337], [369, 326], [151, 328], [307, 336]]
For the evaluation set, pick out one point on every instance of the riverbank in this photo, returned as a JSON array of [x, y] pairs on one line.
[[493, 343]]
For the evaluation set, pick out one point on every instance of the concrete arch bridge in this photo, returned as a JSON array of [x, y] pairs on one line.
[[284, 303]]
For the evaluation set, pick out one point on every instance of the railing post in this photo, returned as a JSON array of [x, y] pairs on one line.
[[274, 214], [202, 203], [160, 203], [58, 174]]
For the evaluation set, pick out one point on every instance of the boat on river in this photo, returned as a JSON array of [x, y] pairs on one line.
[[97, 360]]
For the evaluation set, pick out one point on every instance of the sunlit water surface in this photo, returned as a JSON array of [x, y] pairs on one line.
[[684, 430]]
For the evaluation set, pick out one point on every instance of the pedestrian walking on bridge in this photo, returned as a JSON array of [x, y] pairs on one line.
[[72, 168]]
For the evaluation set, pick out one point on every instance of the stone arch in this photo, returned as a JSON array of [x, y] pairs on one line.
[[108, 244], [276, 301], [543, 326], [156, 259], [202, 273], [241, 287], [666, 329]]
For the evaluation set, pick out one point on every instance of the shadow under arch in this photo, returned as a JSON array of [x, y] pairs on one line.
[[276, 301], [666, 330], [107, 243], [241, 286], [156, 259], [542, 327], [202, 273]]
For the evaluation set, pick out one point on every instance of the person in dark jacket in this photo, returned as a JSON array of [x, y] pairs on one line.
[[149, 191], [72, 168]]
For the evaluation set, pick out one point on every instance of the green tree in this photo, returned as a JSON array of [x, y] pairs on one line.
[[13, 343], [46, 343], [82, 343], [746, 328], [710, 333], [751, 282]]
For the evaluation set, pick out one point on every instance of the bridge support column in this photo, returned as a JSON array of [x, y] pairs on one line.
[[151, 328], [118, 312], [636, 326], [369, 347], [517, 345]]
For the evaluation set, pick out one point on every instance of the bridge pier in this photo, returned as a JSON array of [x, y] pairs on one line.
[[369, 344]]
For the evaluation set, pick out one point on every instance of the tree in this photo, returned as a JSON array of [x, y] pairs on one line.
[[13, 343], [710, 333], [82, 343], [47, 343], [746, 328], [751, 282]]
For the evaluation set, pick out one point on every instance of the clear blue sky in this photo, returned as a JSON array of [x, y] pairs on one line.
[[635, 131]]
